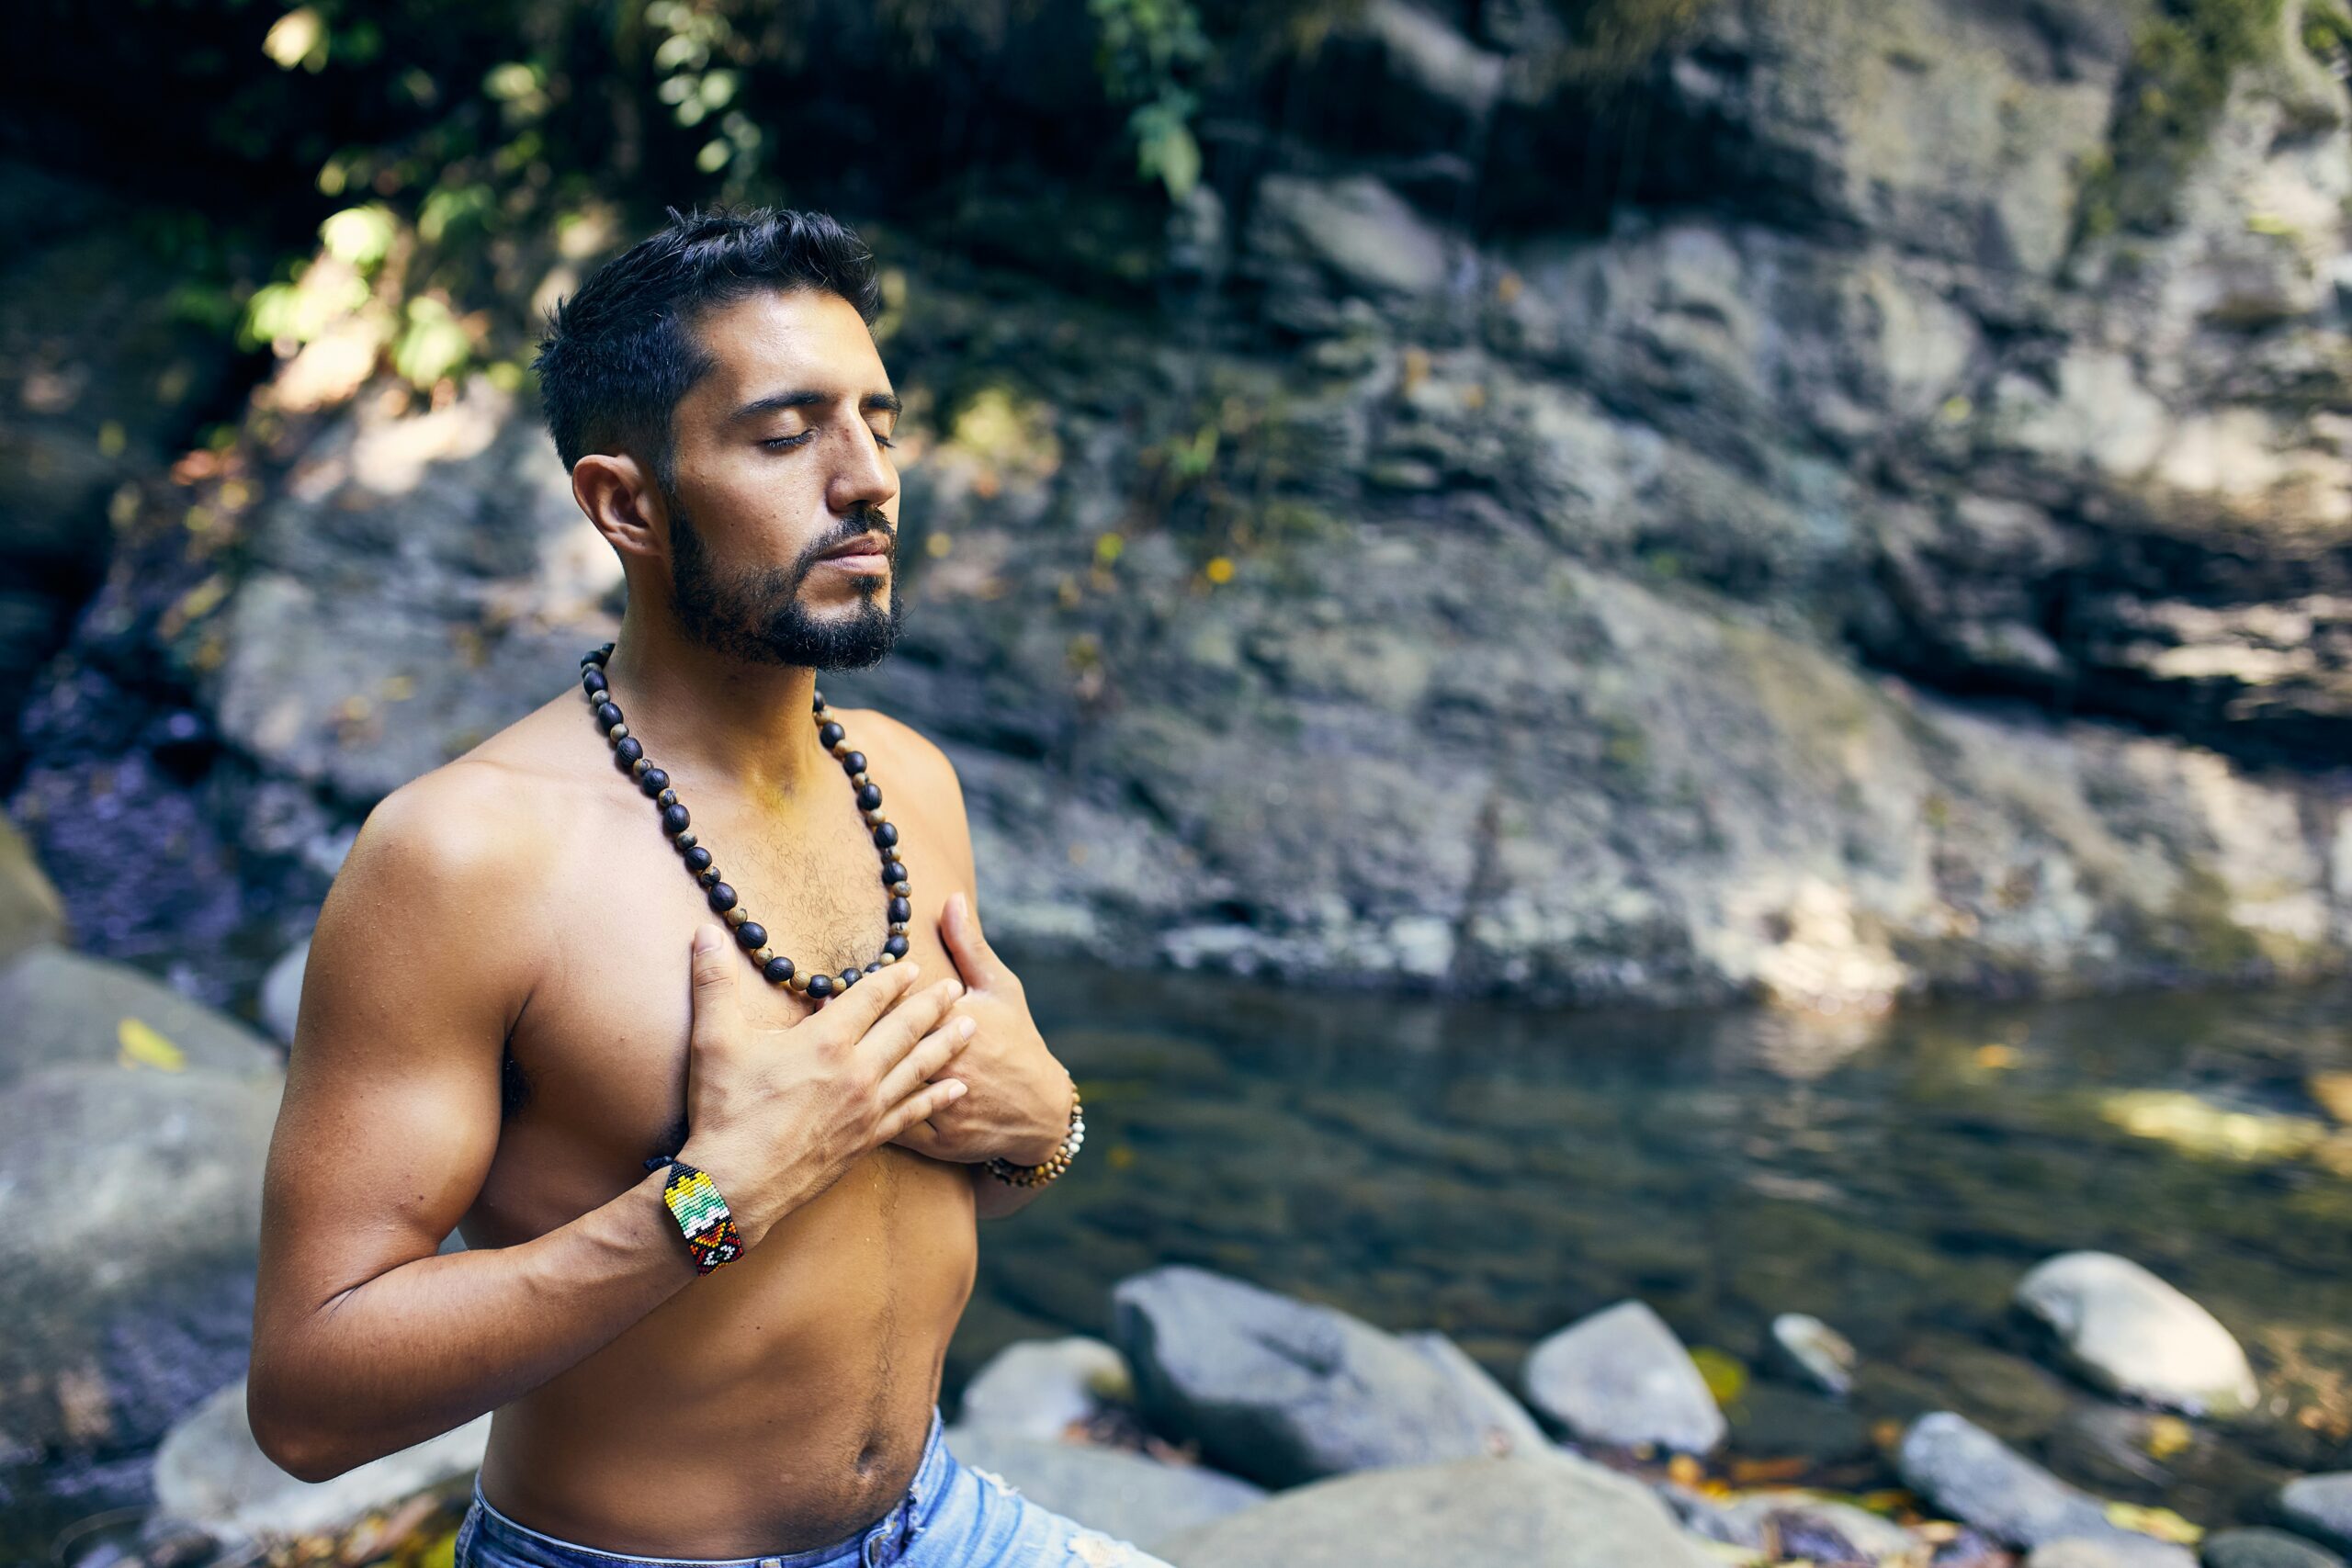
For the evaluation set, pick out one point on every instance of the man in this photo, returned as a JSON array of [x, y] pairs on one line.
[[503, 1017]]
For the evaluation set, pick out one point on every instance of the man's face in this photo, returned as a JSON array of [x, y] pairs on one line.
[[781, 454]]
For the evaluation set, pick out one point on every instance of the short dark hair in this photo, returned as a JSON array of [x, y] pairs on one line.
[[618, 353]]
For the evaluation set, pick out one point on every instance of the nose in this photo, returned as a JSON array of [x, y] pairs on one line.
[[863, 474]]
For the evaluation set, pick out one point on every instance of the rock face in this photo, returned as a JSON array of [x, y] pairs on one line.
[[208, 1472], [2320, 1506], [2131, 1332], [1120, 1494], [1283, 1391], [1823, 565], [1622, 1376], [1551, 1508], [129, 1115]]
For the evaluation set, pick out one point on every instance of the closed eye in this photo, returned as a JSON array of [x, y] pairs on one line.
[[779, 442]]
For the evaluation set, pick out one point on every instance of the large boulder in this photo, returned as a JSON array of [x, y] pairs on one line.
[[2132, 1334], [2320, 1506], [211, 1473], [1119, 1493], [1284, 1391], [1621, 1377], [134, 1125], [1036, 1388], [1548, 1508]]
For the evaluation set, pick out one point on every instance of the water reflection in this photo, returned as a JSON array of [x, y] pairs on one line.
[[1495, 1173]]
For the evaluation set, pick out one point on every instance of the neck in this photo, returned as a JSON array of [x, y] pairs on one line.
[[707, 718]]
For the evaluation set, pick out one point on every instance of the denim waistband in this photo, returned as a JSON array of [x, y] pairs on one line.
[[931, 1474]]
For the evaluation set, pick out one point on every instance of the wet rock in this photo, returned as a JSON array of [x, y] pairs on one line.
[[2260, 1547], [1971, 1474], [1621, 1377], [2130, 1333], [209, 1472], [1811, 1349], [2320, 1506], [1551, 1508], [2110, 1551], [1800, 1524], [1122, 1493], [1038, 1388], [1282, 1391]]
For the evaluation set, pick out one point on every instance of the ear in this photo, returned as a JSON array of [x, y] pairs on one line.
[[620, 499]]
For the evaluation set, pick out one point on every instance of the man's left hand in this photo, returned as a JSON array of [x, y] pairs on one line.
[[1017, 1096]]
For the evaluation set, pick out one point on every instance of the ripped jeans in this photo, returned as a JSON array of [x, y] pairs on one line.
[[953, 1516]]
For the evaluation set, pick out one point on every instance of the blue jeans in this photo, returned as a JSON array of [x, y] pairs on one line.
[[953, 1516]]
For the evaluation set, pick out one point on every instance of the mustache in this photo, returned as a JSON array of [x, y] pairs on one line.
[[866, 519]]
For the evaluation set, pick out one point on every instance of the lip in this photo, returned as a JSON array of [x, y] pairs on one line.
[[868, 552]]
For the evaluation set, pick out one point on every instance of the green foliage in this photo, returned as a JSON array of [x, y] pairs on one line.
[[1146, 52], [2327, 32], [2182, 66]]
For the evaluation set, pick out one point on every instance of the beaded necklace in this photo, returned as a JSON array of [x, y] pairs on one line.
[[628, 754]]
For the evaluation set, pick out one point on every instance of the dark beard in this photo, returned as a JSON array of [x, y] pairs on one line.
[[757, 615]]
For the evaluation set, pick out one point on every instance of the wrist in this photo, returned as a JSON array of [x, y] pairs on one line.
[[751, 1221]]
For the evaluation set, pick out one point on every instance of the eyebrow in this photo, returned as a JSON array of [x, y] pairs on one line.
[[775, 401]]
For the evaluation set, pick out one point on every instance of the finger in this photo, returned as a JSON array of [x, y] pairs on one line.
[[922, 1104], [717, 1008], [925, 1058], [846, 1016], [924, 1138], [960, 933], [904, 1024]]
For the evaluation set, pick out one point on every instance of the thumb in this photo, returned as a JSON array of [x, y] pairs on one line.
[[974, 958], [716, 1010]]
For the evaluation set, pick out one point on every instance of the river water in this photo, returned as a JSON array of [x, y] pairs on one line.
[[1497, 1172]]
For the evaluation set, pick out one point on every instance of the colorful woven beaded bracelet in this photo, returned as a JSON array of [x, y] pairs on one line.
[[701, 1213]]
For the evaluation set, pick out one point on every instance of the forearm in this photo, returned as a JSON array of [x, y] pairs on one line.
[[428, 1346], [993, 1197]]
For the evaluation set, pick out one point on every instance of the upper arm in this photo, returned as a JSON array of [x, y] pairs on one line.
[[418, 966]]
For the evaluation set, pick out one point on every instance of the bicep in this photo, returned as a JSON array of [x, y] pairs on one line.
[[392, 1111]]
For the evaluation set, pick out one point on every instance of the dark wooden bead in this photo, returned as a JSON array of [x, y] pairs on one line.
[[778, 971], [902, 910], [608, 715], [854, 761], [821, 984], [848, 978], [830, 733], [752, 936], [697, 858], [596, 656], [653, 781], [887, 834], [892, 871], [593, 679], [870, 796], [816, 699], [896, 947], [722, 898], [870, 968], [674, 818], [628, 751]]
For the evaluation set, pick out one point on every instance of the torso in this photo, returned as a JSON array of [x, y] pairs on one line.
[[780, 1402]]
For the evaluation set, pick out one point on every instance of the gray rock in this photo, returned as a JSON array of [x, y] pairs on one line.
[[65, 1008], [1121, 1493], [2130, 1333], [1621, 1377], [1282, 1391], [1037, 1387], [2320, 1506], [30, 912], [1549, 1508], [281, 991], [1743, 1521], [208, 1472], [1978, 1479], [2263, 1547], [1507, 1425], [2110, 1551], [1814, 1351]]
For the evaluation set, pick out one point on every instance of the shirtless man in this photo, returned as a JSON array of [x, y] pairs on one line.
[[504, 1015]]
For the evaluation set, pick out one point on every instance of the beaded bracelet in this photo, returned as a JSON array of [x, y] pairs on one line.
[[1052, 1165], [701, 1212]]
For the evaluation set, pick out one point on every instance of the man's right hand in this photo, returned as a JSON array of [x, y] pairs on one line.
[[775, 1116]]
